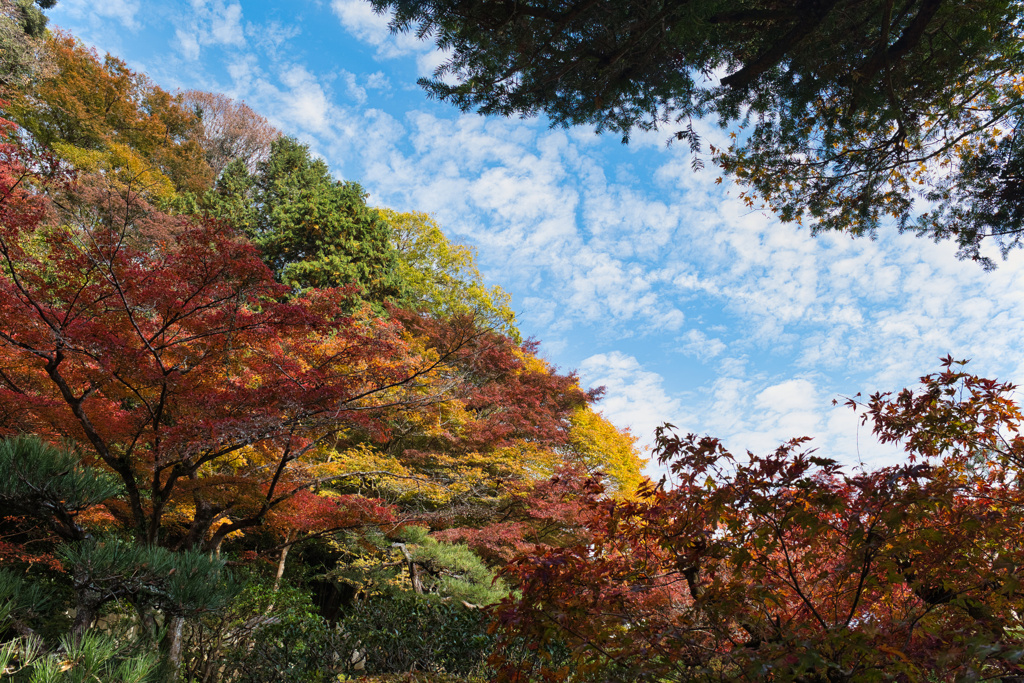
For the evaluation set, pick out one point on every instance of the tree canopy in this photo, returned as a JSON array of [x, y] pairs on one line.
[[849, 112], [229, 130], [312, 230], [442, 277], [22, 28], [103, 117], [785, 567]]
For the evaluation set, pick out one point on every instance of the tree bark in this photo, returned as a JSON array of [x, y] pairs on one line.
[[173, 647], [415, 573], [87, 605], [281, 560]]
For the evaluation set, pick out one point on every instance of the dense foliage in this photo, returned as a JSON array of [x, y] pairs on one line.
[[236, 413], [313, 231], [786, 566]]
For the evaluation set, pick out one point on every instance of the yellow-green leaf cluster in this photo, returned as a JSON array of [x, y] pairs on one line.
[[442, 276]]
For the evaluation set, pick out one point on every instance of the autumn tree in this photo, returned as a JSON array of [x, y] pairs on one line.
[[785, 564], [511, 421], [549, 505], [500, 465], [849, 111], [163, 345], [311, 230], [606, 451], [441, 277], [101, 116], [506, 416], [229, 130], [531, 517]]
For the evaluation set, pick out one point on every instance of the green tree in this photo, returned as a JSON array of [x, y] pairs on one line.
[[40, 480], [312, 230], [22, 27], [51, 485], [851, 109], [94, 657], [401, 633]]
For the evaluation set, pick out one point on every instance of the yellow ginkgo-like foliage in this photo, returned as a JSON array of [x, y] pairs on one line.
[[600, 446]]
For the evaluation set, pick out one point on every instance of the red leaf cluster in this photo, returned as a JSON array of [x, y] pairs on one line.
[[166, 345], [786, 567]]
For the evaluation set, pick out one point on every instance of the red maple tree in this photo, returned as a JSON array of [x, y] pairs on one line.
[[166, 346], [783, 567]]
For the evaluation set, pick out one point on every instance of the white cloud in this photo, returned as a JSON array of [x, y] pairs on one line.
[[355, 91], [358, 18], [428, 62], [188, 44], [271, 36], [210, 23], [634, 397], [520, 183], [226, 25], [697, 344], [378, 81], [124, 12], [306, 103]]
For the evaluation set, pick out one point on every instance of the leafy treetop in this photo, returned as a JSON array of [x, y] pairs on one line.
[[229, 130], [441, 276], [312, 230], [22, 30], [102, 116]]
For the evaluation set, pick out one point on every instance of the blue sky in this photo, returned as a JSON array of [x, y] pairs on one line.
[[641, 275]]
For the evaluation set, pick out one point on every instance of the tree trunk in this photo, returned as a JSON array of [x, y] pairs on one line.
[[173, 647], [415, 572], [84, 616], [282, 558], [87, 605]]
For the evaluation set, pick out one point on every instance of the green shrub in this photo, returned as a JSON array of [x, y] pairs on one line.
[[94, 656], [402, 633], [263, 635]]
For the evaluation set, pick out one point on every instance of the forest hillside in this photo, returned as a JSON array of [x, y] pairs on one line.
[[254, 428]]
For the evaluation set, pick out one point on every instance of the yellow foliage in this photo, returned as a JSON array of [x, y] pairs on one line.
[[523, 460], [122, 164], [89, 160], [442, 276], [137, 173], [531, 362], [380, 474], [600, 446]]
